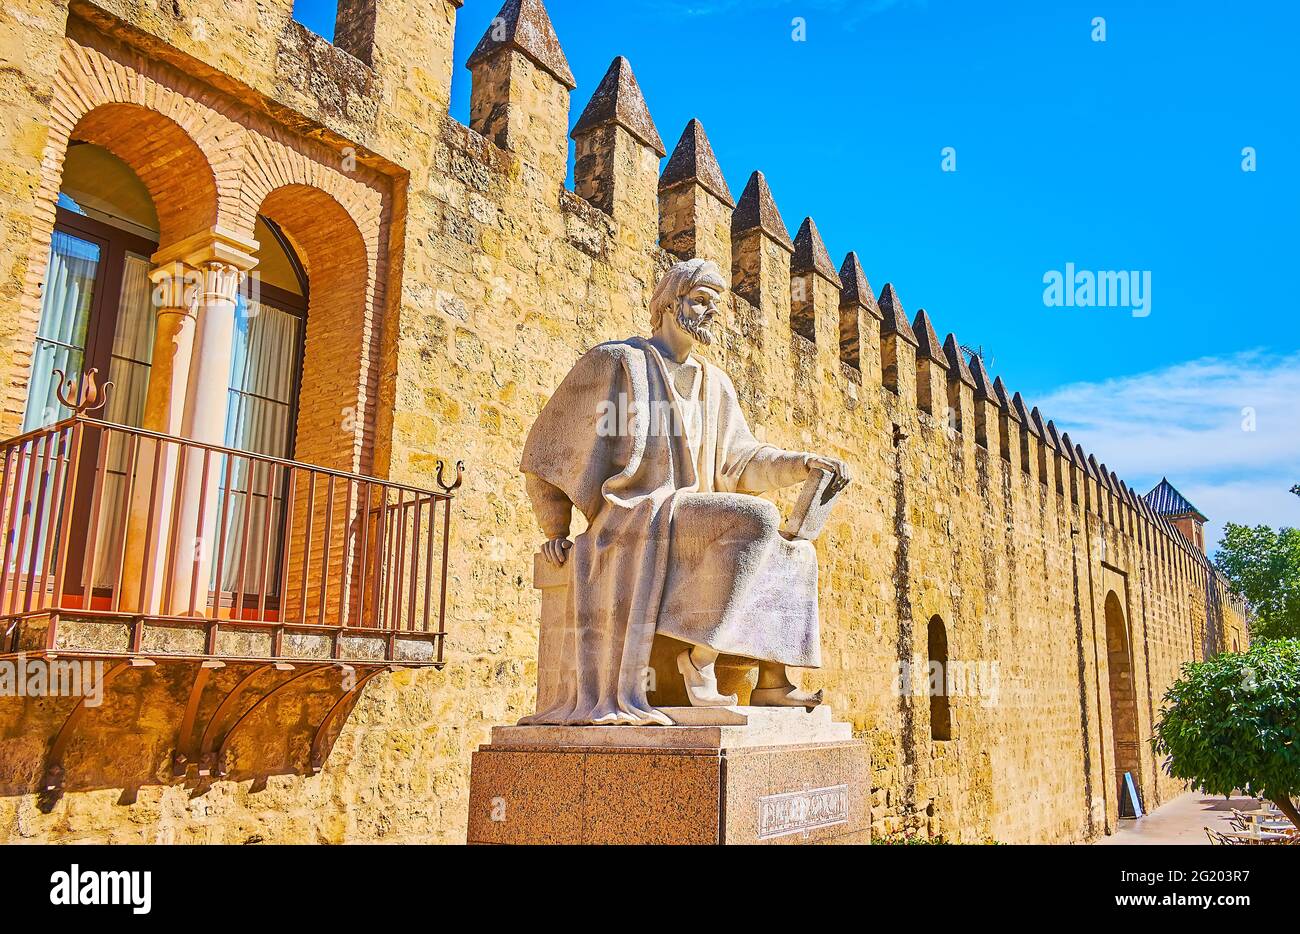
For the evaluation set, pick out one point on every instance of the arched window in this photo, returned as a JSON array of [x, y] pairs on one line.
[[96, 298], [940, 711]]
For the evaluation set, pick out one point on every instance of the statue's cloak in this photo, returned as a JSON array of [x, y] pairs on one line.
[[673, 542]]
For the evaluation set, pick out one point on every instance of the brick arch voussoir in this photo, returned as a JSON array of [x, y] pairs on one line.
[[205, 142]]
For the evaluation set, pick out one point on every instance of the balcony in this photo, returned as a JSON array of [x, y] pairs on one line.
[[138, 547]]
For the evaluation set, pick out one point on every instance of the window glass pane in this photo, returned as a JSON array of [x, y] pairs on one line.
[[263, 373], [132, 345], [259, 410], [65, 316]]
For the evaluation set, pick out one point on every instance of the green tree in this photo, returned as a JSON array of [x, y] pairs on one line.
[[1233, 722], [1263, 565]]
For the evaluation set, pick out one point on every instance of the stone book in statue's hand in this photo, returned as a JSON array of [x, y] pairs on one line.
[[813, 508]]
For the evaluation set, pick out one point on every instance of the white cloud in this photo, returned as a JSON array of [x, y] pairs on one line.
[[1190, 422]]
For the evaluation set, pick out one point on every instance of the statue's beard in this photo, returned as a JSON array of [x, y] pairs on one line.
[[698, 328]]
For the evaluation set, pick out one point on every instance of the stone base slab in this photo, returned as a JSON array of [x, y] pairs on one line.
[[551, 793], [694, 728]]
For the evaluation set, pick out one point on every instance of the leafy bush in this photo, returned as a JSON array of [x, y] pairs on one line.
[[1233, 722]]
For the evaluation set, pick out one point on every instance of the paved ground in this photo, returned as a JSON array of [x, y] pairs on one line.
[[1181, 821]]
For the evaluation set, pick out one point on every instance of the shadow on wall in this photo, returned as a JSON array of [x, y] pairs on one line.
[[174, 723]]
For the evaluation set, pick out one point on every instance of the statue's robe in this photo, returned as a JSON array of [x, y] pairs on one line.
[[676, 541]]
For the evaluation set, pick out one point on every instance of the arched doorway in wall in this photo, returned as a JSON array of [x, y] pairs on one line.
[[134, 183], [1126, 754], [298, 392], [130, 182]]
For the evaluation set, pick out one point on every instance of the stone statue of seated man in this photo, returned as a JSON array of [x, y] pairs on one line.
[[648, 441]]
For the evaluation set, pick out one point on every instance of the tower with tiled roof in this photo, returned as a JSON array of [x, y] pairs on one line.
[[1174, 506]]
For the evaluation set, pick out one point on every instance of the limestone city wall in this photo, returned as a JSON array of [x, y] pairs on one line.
[[485, 279]]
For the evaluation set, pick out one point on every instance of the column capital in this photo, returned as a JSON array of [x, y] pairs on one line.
[[174, 289], [217, 245]]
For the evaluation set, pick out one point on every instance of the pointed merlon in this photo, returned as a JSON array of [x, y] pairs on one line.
[[957, 360], [1050, 432], [810, 254], [893, 319], [1086, 464], [757, 211], [927, 342], [618, 100], [525, 26], [855, 289], [982, 381], [1004, 399], [1094, 468], [693, 161], [1067, 446], [1036, 417], [1022, 411]]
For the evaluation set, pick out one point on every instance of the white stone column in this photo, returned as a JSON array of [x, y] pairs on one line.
[[220, 260], [175, 296]]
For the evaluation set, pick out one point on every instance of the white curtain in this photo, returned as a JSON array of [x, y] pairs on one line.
[[66, 300], [129, 372], [263, 373], [65, 315]]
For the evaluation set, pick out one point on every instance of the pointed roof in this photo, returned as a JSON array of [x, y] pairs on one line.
[[618, 100], [1022, 411], [757, 211], [982, 381], [927, 342], [1004, 399], [525, 26], [810, 254], [1167, 501], [893, 318], [855, 289], [693, 161], [957, 360]]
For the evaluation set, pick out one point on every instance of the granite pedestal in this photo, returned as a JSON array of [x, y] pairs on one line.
[[721, 775]]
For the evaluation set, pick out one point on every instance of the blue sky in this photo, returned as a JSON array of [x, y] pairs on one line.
[[1117, 155]]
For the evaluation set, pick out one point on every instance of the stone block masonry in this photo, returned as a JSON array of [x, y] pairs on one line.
[[459, 280]]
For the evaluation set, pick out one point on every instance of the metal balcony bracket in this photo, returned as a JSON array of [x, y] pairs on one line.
[[219, 761], [220, 715], [52, 782], [184, 752], [341, 708]]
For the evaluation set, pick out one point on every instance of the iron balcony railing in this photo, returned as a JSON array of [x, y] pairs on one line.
[[204, 550]]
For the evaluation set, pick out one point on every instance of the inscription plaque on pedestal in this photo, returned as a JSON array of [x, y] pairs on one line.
[[799, 812]]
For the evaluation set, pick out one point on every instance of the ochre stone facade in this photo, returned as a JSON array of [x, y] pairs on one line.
[[454, 282]]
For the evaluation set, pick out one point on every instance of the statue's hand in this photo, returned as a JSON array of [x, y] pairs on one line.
[[838, 470], [557, 550]]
